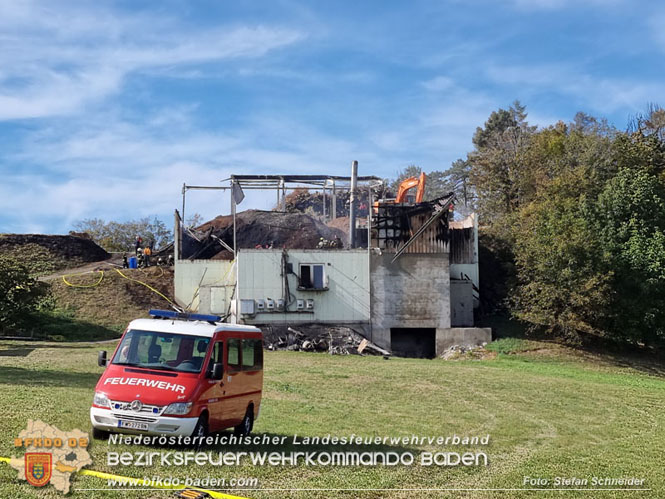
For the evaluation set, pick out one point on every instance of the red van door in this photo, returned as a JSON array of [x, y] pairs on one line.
[[233, 384], [214, 394]]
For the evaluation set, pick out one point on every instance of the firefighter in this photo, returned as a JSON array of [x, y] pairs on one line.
[[146, 256]]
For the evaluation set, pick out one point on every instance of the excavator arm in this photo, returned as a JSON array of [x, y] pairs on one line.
[[409, 184]]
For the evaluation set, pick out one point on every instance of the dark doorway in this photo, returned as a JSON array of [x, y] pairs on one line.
[[415, 342]]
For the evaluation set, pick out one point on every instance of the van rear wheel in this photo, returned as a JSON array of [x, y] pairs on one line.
[[245, 426]]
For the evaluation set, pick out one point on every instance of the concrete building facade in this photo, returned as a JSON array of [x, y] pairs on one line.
[[409, 305]]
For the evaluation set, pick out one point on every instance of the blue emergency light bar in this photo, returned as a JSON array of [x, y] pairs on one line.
[[172, 314]]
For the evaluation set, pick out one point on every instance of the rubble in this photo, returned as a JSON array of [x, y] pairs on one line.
[[335, 340], [456, 352], [256, 228]]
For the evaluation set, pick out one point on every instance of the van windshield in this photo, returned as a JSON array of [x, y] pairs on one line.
[[164, 351]]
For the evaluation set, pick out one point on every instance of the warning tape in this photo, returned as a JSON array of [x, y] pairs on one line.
[[64, 278], [109, 476]]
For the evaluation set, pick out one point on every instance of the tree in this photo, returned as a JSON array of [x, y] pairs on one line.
[[20, 293], [629, 218], [563, 285], [496, 163], [194, 220], [121, 236], [457, 180], [590, 245]]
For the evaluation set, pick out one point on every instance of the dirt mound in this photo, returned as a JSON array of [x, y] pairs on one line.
[[47, 253], [341, 223], [260, 228]]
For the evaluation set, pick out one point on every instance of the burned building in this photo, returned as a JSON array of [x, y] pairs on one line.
[[411, 290]]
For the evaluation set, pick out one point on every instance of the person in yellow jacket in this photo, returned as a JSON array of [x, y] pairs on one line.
[[146, 256]]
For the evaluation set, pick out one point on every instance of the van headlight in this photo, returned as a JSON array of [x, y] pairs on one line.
[[178, 408], [101, 399]]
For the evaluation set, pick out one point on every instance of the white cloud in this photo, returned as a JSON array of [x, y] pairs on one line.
[[56, 61], [601, 93], [439, 84]]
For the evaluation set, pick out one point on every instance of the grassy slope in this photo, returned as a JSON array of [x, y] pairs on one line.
[[548, 415], [102, 311]]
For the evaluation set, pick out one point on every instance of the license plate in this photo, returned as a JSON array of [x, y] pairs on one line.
[[133, 425]]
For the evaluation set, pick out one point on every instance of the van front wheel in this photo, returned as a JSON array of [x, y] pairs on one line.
[[246, 424], [201, 428], [99, 434]]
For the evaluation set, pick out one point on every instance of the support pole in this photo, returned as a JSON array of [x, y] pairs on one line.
[[334, 201], [235, 250], [352, 205], [184, 190]]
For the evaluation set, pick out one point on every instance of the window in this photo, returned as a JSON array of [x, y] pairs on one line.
[[216, 357], [252, 355], [233, 359], [164, 351], [312, 276]]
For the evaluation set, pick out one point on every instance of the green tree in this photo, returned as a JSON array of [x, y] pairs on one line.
[[457, 180], [629, 218], [121, 236], [496, 163], [563, 286], [20, 294]]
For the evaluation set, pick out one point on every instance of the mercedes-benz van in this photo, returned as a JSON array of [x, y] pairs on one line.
[[180, 374]]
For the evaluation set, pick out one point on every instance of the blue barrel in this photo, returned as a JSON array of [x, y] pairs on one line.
[[133, 264]]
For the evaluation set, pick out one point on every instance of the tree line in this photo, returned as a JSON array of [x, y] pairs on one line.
[[572, 222]]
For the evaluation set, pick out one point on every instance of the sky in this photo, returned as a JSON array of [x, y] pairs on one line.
[[107, 108]]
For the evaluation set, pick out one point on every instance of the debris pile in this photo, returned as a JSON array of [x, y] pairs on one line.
[[256, 229], [71, 248], [303, 201], [335, 340], [455, 352]]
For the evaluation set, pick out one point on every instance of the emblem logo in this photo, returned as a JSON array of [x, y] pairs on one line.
[[38, 468], [136, 406]]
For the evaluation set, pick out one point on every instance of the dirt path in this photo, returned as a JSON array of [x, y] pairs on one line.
[[111, 263]]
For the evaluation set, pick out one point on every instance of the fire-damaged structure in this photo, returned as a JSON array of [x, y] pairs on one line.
[[404, 276]]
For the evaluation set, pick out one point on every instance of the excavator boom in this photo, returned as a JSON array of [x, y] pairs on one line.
[[409, 184]]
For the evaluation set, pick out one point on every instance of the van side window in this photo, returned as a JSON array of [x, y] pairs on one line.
[[252, 355], [216, 357], [233, 349]]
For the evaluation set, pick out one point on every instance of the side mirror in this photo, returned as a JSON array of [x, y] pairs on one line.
[[101, 358], [217, 371]]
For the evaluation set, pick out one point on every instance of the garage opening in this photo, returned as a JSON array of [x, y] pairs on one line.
[[414, 342]]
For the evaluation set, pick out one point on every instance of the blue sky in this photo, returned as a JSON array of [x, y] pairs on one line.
[[106, 108]]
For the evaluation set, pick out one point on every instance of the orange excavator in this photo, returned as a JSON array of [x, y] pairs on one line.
[[404, 188], [410, 183]]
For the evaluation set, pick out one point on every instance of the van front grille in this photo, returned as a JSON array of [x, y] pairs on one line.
[[131, 417]]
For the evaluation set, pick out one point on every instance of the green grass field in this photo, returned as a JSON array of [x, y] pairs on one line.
[[549, 412]]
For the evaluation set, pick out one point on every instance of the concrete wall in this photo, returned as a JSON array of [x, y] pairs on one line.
[[194, 279], [346, 273], [464, 336], [413, 292]]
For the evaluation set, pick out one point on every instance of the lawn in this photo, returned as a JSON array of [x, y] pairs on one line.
[[549, 413]]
